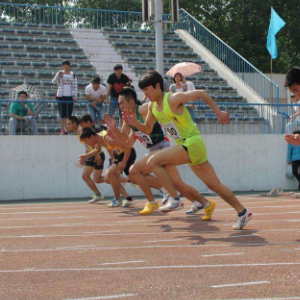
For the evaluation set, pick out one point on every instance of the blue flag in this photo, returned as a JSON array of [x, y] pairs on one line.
[[276, 24]]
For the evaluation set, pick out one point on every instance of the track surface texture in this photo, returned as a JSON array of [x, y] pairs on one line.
[[89, 251]]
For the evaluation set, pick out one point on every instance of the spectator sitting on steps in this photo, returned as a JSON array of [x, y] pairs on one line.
[[21, 114]]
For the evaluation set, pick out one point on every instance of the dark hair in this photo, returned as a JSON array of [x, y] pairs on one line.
[[87, 133], [292, 76], [86, 118], [66, 62], [73, 120], [96, 80], [178, 73], [151, 79], [296, 131], [118, 67], [22, 92], [128, 93]]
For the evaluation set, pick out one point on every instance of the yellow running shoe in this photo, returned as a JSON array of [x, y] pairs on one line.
[[209, 211], [149, 208]]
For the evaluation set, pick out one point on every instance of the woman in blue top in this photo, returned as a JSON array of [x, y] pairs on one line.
[[294, 159]]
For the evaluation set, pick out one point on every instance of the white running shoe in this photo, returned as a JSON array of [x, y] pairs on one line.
[[194, 210], [171, 205], [165, 198], [115, 203], [127, 203], [96, 199], [242, 221]]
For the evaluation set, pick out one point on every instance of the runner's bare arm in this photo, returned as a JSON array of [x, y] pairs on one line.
[[178, 99], [146, 127], [95, 151], [111, 123]]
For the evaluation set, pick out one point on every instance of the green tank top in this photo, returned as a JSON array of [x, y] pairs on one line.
[[155, 137], [177, 126]]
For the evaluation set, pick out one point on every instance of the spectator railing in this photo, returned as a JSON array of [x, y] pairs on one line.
[[70, 16], [245, 71], [245, 118], [98, 18]]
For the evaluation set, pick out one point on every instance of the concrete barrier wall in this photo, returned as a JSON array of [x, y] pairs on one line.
[[43, 167]]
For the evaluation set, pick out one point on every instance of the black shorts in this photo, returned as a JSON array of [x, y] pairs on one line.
[[66, 105], [91, 162], [130, 161]]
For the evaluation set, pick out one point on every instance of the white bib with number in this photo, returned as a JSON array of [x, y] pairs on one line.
[[145, 139], [171, 130]]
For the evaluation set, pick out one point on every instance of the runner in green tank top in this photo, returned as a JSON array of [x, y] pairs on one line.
[[155, 141], [169, 110]]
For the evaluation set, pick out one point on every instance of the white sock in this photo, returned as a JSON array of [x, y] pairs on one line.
[[207, 204], [197, 204]]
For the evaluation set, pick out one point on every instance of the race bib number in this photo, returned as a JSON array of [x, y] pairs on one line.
[[145, 139], [171, 130]]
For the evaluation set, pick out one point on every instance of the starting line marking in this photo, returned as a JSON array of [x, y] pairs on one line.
[[240, 284]]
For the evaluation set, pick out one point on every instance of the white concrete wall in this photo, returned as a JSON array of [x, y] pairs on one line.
[[43, 167]]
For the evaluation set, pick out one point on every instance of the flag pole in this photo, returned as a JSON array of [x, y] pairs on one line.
[[271, 66], [271, 77]]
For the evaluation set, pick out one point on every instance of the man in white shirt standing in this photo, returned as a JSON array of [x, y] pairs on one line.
[[95, 93], [66, 93]]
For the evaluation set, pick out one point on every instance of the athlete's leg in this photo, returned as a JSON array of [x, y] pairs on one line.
[[97, 176], [207, 174], [113, 179], [172, 156], [86, 176], [137, 175], [186, 190]]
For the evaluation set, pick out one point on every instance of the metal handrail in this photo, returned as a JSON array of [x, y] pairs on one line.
[[244, 70]]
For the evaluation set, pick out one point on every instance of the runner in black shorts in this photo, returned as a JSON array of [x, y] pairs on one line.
[[95, 163], [122, 155]]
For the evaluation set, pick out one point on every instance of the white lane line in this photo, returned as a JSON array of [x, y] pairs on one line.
[[240, 284], [3, 250], [235, 236], [224, 254], [285, 298], [42, 207], [153, 267], [50, 212], [159, 241], [80, 246], [71, 225], [105, 297], [122, 263], [260, 207], [265, 221], [114, 233], [268, 213], [97, 232]]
